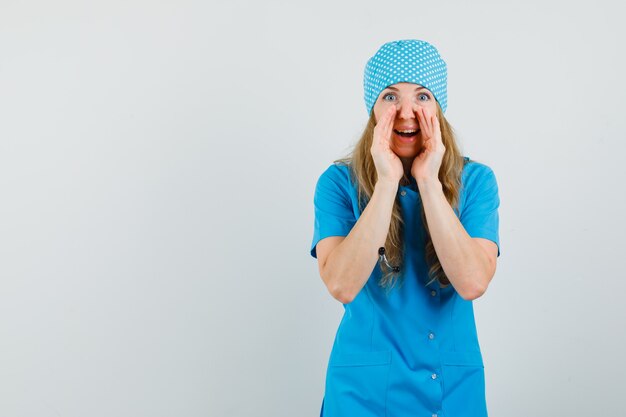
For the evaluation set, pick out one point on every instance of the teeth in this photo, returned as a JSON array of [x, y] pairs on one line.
[[407, 131]]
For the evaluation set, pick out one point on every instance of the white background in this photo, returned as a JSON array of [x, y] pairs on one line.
[[157, 168]]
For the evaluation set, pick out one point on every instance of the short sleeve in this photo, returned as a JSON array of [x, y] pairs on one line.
[[480, 216], [333, 207]]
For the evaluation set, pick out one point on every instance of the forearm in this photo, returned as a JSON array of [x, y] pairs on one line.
[[351, 263], [461, 258]]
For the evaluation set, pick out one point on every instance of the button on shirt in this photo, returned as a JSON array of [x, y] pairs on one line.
[[413, 351]]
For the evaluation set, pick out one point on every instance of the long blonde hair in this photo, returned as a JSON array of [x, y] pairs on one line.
[[363, 172]]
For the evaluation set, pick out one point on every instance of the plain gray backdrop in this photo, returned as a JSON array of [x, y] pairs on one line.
[[157, 168]]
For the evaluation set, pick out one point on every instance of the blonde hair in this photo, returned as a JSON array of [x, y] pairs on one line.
[[364, 174]]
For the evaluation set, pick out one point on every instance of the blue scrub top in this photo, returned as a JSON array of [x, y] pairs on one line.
[[414, 351]]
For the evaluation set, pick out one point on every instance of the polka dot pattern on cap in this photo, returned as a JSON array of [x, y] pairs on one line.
[[410, 61]]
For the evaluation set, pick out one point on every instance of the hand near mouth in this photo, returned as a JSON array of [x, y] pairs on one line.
[[426, 164], [388, 165]]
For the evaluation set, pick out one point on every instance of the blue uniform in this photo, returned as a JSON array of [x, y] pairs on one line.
[[414, 351]]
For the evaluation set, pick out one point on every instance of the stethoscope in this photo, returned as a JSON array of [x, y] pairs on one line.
[[383, 258]]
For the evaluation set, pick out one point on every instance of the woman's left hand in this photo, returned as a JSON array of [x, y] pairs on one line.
[[427, 163]]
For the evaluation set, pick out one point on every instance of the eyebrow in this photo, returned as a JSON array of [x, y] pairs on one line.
[[395, 89]]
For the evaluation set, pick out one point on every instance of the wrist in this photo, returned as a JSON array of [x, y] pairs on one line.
[[387, 185], [429, 184]]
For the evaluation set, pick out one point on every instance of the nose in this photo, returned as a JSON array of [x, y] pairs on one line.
[[406, 110]]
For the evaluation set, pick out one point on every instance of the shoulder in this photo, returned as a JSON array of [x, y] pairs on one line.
[[338, 173], [477, 174]]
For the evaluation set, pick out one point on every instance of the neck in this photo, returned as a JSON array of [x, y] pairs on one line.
[[407, 163]]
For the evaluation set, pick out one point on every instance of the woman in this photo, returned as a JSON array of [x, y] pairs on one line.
[[406, 236]]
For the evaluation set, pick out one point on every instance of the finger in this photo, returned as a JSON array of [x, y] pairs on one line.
[[420, 121], [423, 122], [438, 136], [419, 117], [380, 123], [382, 131], [429, 121], [384, 120], [428, 118], [391, 114], [437, 127], [433, 122], [379, 130], [389, 125]]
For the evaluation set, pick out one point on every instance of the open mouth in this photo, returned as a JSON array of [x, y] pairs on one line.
[[406, 133]]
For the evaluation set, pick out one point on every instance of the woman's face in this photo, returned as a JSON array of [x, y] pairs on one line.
[[407, 98]]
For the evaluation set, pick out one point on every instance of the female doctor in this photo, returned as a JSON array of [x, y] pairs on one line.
[[406, 236]]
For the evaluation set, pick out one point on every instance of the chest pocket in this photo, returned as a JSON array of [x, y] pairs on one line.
[[356, 384]]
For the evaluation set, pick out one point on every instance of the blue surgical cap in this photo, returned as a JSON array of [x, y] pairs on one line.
[[409, 61]]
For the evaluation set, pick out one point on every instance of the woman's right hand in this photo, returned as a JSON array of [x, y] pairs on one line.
[[388, 164]]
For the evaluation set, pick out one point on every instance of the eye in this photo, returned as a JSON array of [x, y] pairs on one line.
[[388, 95], [424, 95]]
